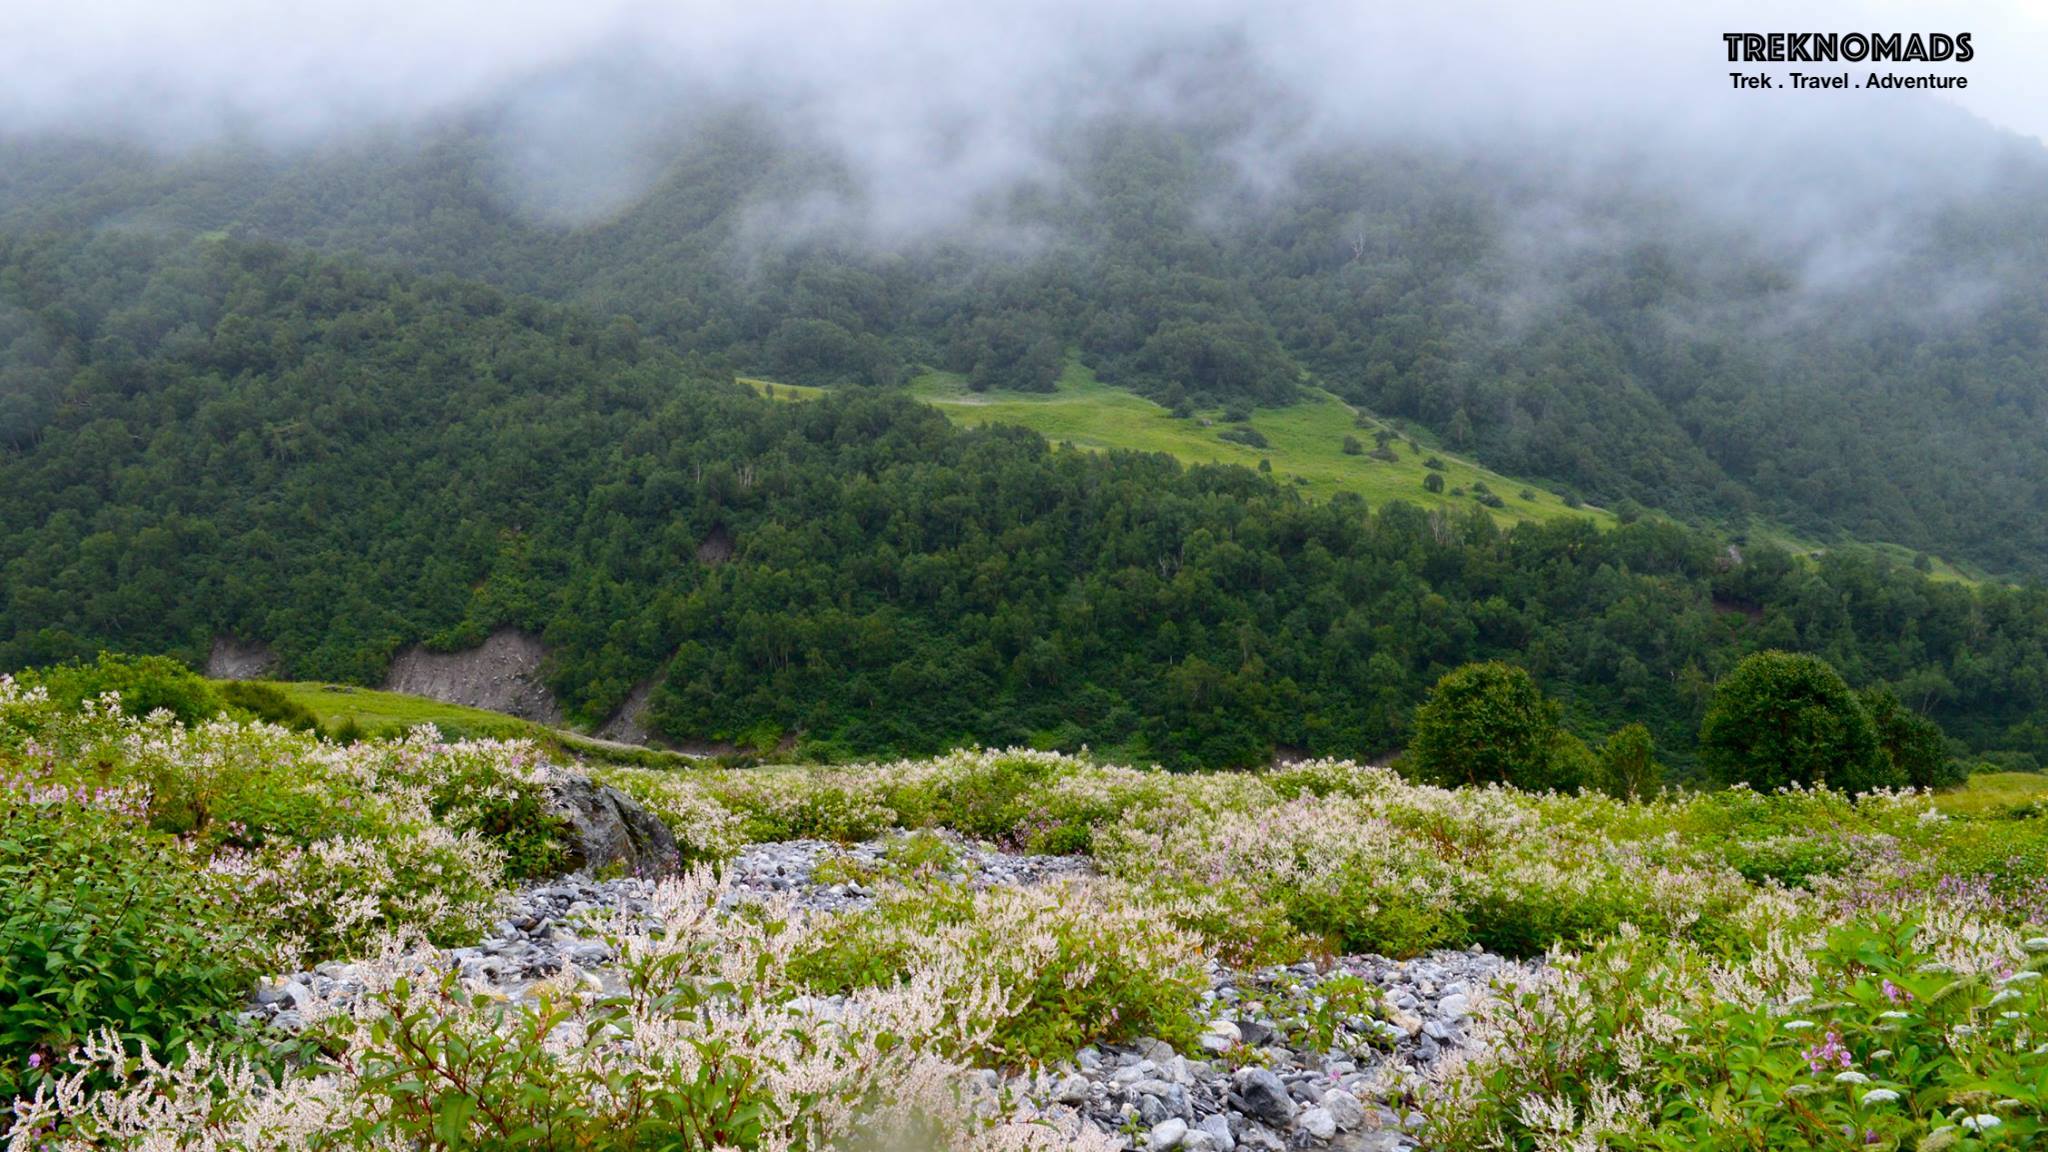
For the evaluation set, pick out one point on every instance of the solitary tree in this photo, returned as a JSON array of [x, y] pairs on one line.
[[1434, 482], [1782, 719], [1460, 430], [1628, 764], [1485, 723]]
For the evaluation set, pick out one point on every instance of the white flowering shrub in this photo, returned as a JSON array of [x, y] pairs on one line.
[[1723, 970], [494, 789], [1918, 1031], [338, 896], [707, 1045], [1072, 964], [333, 845]]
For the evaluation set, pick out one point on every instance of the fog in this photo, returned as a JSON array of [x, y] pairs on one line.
[[936, 107]]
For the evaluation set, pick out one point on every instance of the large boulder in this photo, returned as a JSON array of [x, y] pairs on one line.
[[611, 832]]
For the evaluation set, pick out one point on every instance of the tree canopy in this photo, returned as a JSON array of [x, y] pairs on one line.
[[232, 438], [1783, 719], [1487, 724], [1683, 362]]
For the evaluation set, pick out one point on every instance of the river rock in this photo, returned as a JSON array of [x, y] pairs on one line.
[[1265, 1097], [1344, 1109], [610, 830]]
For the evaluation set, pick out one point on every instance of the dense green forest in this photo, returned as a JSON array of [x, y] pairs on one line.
[[1679, 358], [228, 437]]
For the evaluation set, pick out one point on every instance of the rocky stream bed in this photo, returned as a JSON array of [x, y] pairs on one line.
[[1261, 1078]]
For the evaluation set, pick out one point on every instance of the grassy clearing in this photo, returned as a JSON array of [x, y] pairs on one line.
[[783, 392], [1305, 442], [379, 713], [376, 711], [1939, 569], [1988, 792]]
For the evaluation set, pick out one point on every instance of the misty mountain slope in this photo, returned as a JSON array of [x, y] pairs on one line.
[[1863, 357], [231, 438]]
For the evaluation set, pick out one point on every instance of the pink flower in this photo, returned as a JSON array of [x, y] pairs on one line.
[[1829, 1052]]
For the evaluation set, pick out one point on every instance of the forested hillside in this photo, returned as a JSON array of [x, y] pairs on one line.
[[224, 437], [1595, 331]]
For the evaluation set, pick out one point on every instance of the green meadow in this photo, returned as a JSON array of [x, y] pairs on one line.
[[1305, 442], [372, 712], [1990, 792]]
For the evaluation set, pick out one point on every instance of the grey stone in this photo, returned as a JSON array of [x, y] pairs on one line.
[[1265, 1097], [1318, 1123], [1154, 1049], [1168, 1134], [1221, 1036], [1259, 1138], [609, 829], [1217, 1128], [1344, 1109]]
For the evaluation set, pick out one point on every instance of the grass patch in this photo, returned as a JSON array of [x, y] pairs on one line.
[[374, 712], [1807, 547], [778, 391], [1304, 441], [1989, 792], [345, 708]]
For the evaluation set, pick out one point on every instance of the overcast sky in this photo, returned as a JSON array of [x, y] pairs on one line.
[[2009, 78], [937, 107], [170, 68]]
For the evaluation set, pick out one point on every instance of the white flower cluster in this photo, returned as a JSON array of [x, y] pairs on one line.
[[707, 996]]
